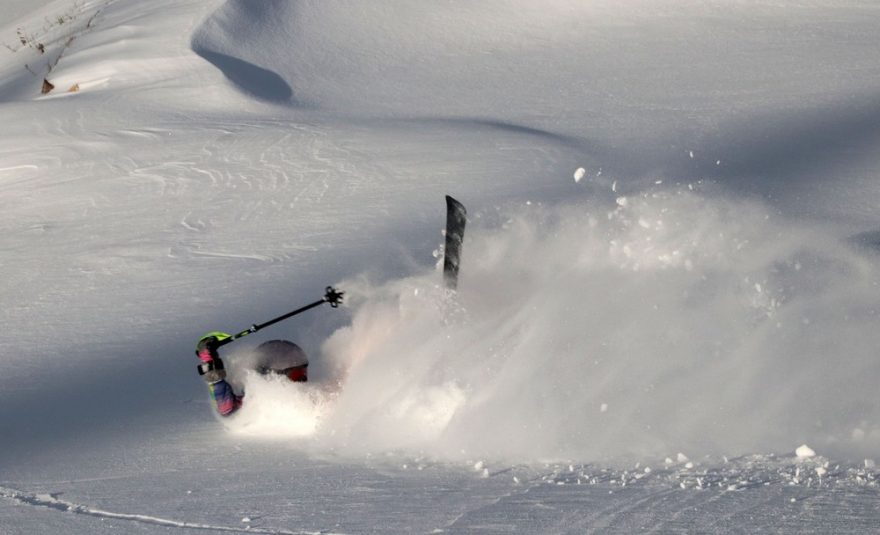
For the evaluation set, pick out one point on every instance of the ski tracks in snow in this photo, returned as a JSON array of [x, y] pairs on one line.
[[50, 501]]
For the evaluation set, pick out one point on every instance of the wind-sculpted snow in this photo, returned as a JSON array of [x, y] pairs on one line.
[[670, 321]]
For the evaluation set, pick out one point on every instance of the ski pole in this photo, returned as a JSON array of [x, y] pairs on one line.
[[330, 296]]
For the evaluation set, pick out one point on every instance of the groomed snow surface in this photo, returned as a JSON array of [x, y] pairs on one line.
[[667, 313]]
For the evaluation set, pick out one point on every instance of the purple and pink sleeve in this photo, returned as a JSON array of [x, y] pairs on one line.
[[224, 398]]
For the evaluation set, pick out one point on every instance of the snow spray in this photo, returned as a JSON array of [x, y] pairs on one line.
[[669, 321]]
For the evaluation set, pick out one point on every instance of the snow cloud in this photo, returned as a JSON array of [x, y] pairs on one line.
[[674, 322]]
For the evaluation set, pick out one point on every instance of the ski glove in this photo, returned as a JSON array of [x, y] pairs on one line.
[[211, 368]]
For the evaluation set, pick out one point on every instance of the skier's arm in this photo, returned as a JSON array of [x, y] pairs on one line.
[[212, 370], [224, 398]]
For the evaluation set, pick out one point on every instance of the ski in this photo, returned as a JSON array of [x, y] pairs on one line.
[[456, 217]]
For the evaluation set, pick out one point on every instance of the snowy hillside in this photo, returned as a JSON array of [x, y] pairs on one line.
[[666, 316]]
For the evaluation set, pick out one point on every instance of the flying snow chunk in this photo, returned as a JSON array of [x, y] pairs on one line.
[[579, 174], [804, 452]]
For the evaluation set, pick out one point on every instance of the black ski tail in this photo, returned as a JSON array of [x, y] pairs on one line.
[[456, 217]]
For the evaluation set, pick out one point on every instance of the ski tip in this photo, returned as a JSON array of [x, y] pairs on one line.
[[453, 204]]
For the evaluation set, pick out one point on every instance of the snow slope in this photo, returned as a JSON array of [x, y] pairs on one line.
[[639, 345]]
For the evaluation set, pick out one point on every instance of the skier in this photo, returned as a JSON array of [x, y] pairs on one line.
[[279, 357], [286, 358], [274, 357]]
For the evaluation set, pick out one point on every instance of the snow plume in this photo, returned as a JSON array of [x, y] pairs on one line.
[[668, 322], [276, 410], [275, 407]]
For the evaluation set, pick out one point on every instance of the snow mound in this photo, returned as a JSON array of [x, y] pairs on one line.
[[226, 41], [356, 57]]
